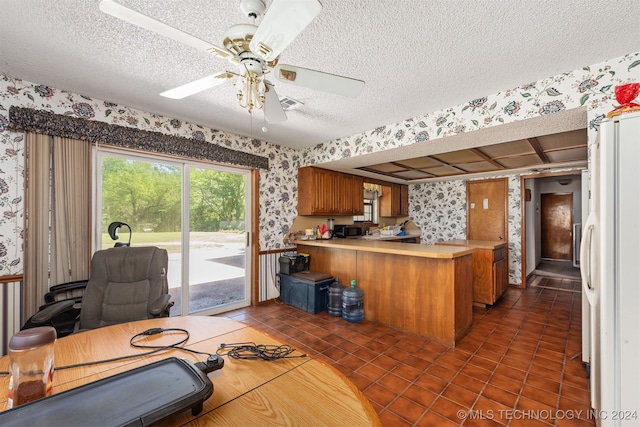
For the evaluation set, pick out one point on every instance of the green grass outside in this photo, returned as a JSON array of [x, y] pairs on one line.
[[169, 240], [141, 238]]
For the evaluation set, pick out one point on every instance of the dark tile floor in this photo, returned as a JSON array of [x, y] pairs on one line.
[[519, 365]]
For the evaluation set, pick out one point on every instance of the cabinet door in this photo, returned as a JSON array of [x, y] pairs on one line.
[[404, 200], [324, 191], [394, 200], [314, 189], [386, 201], [500, 278], [357, 197], [352, 201]]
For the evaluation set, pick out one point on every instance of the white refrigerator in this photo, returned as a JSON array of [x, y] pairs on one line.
[[610, 269]]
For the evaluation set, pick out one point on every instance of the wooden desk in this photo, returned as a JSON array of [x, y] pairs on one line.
[[299, 391]]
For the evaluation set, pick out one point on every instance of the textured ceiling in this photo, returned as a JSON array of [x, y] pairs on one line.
[[415, 56]]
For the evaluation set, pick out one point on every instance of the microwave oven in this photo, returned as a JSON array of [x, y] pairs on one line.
[[346, 231]]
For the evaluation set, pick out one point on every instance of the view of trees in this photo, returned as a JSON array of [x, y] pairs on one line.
[[147, 196]]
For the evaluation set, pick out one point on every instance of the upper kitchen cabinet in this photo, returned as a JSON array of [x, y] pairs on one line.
[[394, 200], [322, 191], [352, 188]]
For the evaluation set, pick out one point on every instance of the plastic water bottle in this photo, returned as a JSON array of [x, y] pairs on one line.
[[334, 308], [352, 303]]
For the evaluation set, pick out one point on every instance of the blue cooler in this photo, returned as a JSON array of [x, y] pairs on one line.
[[306, 290]]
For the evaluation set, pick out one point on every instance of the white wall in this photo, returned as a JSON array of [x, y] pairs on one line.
[[532, 225]]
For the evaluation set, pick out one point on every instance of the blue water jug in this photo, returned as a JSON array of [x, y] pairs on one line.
[[353, 303]]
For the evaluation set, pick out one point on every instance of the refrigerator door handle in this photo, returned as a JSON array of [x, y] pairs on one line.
[[585, 260]]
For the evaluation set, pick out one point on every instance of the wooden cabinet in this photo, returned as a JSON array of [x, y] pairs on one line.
[[351, 188], [410, 287], [490, 268], [322, 191], [394, 200]]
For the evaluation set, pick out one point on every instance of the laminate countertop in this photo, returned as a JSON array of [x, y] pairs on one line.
[[480, 244], [396, 248]]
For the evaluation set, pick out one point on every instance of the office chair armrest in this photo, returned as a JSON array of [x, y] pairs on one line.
[[69, 290], [48, 313], [159, 306]]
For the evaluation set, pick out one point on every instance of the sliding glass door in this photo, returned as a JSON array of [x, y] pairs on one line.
[[198, 212]]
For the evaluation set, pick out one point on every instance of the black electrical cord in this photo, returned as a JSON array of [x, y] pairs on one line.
[[134, 343], [253, 351], [244, 350]]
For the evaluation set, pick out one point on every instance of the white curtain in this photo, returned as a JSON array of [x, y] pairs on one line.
[[57, 215]]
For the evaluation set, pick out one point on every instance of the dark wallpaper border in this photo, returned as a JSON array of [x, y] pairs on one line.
[[44, 122]]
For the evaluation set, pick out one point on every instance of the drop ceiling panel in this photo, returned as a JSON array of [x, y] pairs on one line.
[[477, 167], [508, 149], [463, 156], [386, 167], [444, 171], [420, 162], [545, 150], [563, 140], [521, 161], [413, 174], [568, 155]]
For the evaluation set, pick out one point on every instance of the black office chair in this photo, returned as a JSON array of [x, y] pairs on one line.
[[62, 317], [126, 284]]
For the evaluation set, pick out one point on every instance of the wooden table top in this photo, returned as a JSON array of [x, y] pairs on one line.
[[292, 391], [397, 248]]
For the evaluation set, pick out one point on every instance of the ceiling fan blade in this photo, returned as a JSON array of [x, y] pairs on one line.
[[282, 23], [111, 7], [318, 80], [273, 112], [197, 86]]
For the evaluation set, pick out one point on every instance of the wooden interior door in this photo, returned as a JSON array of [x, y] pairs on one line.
[[556, 226], [487, 209]]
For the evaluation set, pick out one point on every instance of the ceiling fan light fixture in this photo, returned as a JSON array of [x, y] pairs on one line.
[[254, 49], [250, 91]]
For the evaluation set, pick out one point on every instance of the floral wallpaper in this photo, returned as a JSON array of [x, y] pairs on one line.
[[438, 208], [591, 87], [278, 183]]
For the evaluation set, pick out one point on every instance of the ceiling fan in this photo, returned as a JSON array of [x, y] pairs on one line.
[[254, 50]]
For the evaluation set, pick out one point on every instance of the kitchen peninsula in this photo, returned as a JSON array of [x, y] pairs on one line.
[[422, 289]]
